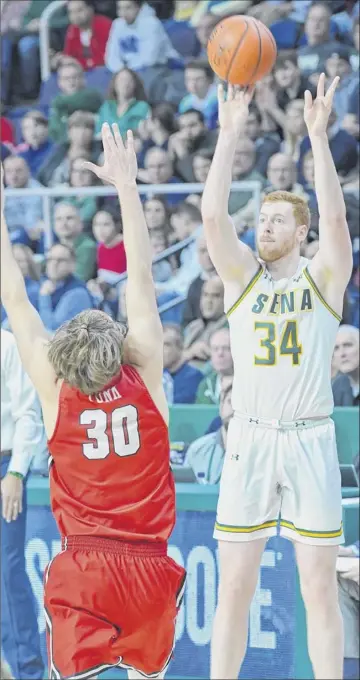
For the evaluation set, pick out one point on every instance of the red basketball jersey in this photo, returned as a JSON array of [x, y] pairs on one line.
[[110, 470]]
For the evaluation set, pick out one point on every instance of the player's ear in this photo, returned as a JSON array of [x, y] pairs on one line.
[[302, 231]]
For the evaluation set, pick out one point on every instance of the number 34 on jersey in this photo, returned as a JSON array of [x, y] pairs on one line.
[[271, 345]]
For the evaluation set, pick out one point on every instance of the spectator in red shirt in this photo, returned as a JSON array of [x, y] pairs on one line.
[[111, 260], [7, 132], [87, 35]]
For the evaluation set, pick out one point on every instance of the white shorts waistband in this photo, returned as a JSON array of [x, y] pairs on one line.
[[275, 424]]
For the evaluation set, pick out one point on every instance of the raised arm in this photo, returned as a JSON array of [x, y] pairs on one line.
[[332, 265], [29, 332], [234, 261], [145, 330]]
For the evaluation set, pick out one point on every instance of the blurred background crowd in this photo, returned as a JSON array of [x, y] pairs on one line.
[[69, 66]]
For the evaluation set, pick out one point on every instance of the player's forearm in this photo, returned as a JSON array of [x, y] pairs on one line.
[[13, 288], [215, 198], [135, 231], [330, 199]]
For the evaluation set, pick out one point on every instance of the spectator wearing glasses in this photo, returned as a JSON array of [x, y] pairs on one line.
[[74, 96], [62, 294]]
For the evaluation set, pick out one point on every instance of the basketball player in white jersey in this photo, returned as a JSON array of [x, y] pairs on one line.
[[281, 454]]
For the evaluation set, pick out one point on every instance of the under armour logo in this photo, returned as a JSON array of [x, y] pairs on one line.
[[235, 456], [254, 420], [300, 423]]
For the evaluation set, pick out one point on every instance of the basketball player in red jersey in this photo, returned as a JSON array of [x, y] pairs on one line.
[[112, 594]]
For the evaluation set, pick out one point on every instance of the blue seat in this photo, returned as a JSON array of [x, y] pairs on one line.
[[99, 79], [183, 38], [288, 34]]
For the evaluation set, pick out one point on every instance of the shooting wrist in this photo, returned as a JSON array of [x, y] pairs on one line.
[[18, 475], [229, 138]]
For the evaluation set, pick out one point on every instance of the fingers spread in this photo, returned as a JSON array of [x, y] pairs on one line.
[[331, 91], [321, 86], [107, 138], [307, 100], [118, 138], [130, 140], [92, 167]]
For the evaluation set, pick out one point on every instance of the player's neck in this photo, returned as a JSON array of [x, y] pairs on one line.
[[285, 267]]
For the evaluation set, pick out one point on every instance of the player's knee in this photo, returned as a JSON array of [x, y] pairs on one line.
[[237, 585], [319, 585]]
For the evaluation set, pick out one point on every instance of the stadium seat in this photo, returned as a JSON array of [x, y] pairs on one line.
[[288, 34], [183, 38]]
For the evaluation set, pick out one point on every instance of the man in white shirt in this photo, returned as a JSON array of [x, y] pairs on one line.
[[22, 435]]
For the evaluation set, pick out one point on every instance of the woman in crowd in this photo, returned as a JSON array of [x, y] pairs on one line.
[[126, 103]]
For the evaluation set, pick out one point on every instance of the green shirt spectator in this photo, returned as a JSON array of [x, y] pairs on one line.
[[222, 368], [126, 103], [74, 96], [68, 228], [85, 252], [82, 177], [31, 20], [209, 389]]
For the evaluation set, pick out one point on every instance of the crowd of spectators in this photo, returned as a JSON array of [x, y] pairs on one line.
[[143, 65]]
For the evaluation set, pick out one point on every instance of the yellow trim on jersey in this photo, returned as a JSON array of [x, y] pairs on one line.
[[311, 534], [247, 290], [321, 298], [245, 530]]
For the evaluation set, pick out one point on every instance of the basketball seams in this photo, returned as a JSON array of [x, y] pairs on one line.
[[259, 55], [272, 39], [237, 49], [241, 50]]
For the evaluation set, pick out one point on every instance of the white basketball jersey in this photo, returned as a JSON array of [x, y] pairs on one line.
[[282, 339]]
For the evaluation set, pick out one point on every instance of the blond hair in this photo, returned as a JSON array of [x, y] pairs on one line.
[[300, 207], [87, 351]]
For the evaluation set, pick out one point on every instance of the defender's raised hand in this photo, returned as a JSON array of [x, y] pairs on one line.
[[317, 111], [120, 164], [234, 108]]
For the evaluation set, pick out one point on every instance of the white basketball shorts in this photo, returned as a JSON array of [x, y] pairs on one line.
[[285, 473]]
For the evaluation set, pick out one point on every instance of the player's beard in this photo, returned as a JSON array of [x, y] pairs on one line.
[[273, 251]]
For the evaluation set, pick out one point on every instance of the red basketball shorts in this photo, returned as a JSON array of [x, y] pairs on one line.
[[110, 603]]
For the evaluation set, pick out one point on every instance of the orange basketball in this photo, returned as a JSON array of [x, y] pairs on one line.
[[241, 50]]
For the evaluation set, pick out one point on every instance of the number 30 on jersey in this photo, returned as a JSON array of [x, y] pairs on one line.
[[121, 426]]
